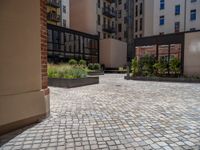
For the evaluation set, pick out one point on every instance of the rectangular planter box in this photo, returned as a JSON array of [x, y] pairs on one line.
[[96, 73], [164, 79], [70, 83]]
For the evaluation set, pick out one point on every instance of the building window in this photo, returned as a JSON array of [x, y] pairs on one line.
[[136, 26], [64, 9], [119, 13], [193, 15], [162, 4], [99, 20], [136, 10], [99, 34], [119, 27], [192, 1], [141, 22], [141, 8], [177, 26], [64, 23], [104, 35], [120, 38], [119, 2], [192, 29], [177, 10], [162, 20], [99, 4], [125, 20], [125, 6]]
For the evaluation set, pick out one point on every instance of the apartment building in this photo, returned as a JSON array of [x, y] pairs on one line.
[[165, 16], [106, 19], [58, 12], [121, 20], [138, 18]]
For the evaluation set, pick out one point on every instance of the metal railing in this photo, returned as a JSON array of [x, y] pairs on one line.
[[54, 3], [108, 28], [107, 11], [53, 17]]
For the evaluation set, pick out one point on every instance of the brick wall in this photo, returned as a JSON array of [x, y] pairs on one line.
[[43, 25]]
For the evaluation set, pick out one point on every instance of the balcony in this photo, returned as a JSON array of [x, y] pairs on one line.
[[54, 3], [108, 28], [51, 16], [111, 1], [108, 12]]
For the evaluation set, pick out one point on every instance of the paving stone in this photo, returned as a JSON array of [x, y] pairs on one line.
[[116, 114]]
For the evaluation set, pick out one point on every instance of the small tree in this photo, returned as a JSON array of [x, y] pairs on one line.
[[160, 67], [174, 65], [134, 66]]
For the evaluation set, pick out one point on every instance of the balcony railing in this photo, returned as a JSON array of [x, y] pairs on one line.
[[54, 3], [107, 11], [111, 1], [53, 17], [108, 28]]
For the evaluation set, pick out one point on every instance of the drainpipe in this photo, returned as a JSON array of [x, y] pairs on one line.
[[185, 13], [130, 33]]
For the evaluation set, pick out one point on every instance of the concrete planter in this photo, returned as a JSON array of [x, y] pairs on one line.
[[70, 83], [164, 79], [96, 73], [115, 71]]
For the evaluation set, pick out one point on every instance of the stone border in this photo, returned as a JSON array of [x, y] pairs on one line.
[[95, 73], [70, 83], [115, 71], [164, 79]]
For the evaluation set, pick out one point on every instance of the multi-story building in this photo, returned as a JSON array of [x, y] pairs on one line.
[[104, 17], [94, 16], [121, 20], [53, 12], [58, 12], [65, 13], [155, 17]]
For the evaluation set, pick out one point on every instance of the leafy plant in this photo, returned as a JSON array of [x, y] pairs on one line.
[[82, 62], [66, 71], [91, 66], [145, 65], [94, 66], [72, 62], [134, 66], [174, 65], [97, 66], [160, 67]]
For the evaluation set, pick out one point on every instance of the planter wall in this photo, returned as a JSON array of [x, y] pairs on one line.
[[70, 83], [164, 79], [96, 73]]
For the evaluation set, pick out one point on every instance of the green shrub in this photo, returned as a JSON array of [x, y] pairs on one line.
[[72, 62], [174, 65], [91, 66], [134, 66], [82, 62], [145, 65], [160, 67], [66, 71], [97, 66]]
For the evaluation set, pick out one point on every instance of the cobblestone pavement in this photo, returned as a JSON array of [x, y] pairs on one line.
[[116, 114]]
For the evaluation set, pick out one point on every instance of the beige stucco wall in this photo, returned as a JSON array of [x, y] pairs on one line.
[[20, 61], [83, 15], [192, 54], [113, 53]]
